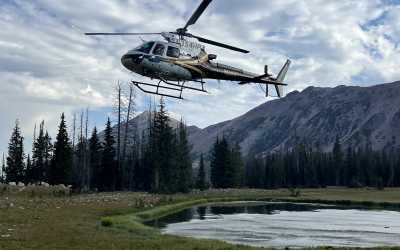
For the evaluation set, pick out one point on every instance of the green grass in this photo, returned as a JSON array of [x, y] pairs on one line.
[[49, 219]]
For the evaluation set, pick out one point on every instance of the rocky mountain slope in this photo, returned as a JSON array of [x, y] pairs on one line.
[[316, 114]]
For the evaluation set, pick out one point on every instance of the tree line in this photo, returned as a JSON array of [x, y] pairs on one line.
[[306, 166], [157, 161]]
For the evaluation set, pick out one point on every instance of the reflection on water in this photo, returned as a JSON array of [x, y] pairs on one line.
[[215, 211], [285, 224]]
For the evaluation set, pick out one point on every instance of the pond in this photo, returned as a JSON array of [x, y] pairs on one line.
[[283, 225]]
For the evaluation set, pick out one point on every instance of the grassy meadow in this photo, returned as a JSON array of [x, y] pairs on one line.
[[51, 218]]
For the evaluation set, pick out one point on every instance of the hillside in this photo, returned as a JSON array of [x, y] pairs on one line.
[[316, 114]]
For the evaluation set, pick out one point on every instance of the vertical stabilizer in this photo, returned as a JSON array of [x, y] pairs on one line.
[[279, 90], [280, 77], [283, 72]]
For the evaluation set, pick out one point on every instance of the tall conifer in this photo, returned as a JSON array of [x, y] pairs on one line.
[[166, 167], [223, 173], [62, 164], [29, 174], [95, 157], [201, 175], [237, 164], [107, 180], [41, 155], [16, 156], [338, 166], [185, 164], [229, 170], [215, 165]]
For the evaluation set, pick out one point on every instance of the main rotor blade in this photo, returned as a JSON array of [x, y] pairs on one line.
[[220, 44], [198, 13], [95, 34]]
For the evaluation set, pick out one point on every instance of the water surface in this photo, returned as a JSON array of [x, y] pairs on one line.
[[285, 224]]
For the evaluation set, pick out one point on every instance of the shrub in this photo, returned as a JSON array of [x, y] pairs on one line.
[[379, 184], [354, 184], [107, 221], [59, 193], [294, 193]]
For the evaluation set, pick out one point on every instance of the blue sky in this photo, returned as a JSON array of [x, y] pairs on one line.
[[48, 66]]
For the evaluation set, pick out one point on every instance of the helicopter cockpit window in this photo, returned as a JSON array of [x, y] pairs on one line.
[[173, 52], [159, 49], [146, 47]]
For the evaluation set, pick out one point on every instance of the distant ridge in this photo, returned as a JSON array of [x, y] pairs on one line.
[[316, 114]]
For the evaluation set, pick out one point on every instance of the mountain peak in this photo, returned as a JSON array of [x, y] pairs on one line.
[[317, 114]]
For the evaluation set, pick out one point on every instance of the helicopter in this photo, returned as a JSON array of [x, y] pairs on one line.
[[176, 62]]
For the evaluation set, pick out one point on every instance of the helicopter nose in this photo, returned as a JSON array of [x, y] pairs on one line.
[[132, 59], [126, 60]]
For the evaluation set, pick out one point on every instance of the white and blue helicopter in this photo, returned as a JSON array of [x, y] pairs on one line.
[[177, 61]]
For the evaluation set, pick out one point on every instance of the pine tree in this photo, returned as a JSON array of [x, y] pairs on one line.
[[256, 180], [41, 155], [351, 167], [223, 173], [338, 166], [201, 175], [386, 167], [166, 167], [62, 164], [216, 173], [29, 173], [237, 163], [95, 158], [361, 177], [107, 180], [304, 162], [185, 164], [15, 159], [229, 170]]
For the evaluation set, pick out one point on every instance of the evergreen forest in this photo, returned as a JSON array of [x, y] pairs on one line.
[[159, 160]]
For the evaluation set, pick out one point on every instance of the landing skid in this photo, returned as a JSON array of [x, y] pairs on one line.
[[178, 87]]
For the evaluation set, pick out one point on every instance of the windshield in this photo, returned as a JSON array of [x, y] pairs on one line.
[[145, 48]]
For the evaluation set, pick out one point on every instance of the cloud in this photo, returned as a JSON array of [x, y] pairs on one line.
[[47, 65]]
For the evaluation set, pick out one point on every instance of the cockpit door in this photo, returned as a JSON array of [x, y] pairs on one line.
[[158, 51]]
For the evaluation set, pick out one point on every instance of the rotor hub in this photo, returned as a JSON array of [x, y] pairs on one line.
[[182, 31]]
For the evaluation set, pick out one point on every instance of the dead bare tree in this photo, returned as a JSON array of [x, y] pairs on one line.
[[134, 152], [73, 135], [82, 155], [119, 106], [73, 130], [130, 115], [33, 146]]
